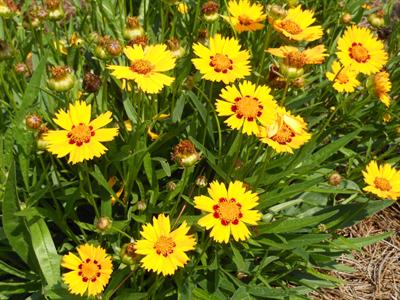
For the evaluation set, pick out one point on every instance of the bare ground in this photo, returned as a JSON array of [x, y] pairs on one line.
[[377, 274]]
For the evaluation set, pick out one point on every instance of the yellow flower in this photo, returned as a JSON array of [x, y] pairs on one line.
[[79, 137], [61, 46], [245, 16], [163, 250], [294, 57], [147, 67], [182, 8], [361, 50], [383, 181], [75, 40], [89, 272], [344, 78], [288, 132], [381, 85], [228, 211], [223, 60], [247, 106], [296, 25]]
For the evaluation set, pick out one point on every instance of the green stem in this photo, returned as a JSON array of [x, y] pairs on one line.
[[267, 159]]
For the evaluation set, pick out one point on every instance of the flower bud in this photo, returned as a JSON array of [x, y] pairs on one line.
[[55, 10], [291, 72], [114, 48], [41, 143], [34, 17], [189, 82], [335, 179], [175, 48], [171, 186], [141, 40], [33, 121], [128, 254], [292, 3], [185, 154], [128, 125], [103, 224], [132, 29], [210, 11], [203, 37], [8, 9], [238, 164], [22, 69], [101, 48], [376, 21], [347, 18], [322, 228], [201, 181], [91, 82], [61, 79], [141, 205]]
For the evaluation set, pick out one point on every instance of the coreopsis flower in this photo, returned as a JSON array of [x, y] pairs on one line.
[[228, 211], [247, 106], [383, 181], [287, 133], [245, 16], [163, 249], [8, 9], [294, 59], [344, 78], [296, 25], [361, 50], [79, 137], [75, 40], [222, 60], [90, 271], [147, 67], [380, 85]]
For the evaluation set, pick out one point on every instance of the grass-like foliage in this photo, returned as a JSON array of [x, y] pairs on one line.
[[192, 149]]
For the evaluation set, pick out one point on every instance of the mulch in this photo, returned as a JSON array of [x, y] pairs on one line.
[[377, 266]]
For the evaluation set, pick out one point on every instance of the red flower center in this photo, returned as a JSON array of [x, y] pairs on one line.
[[359, 53], [164, 245], [89, 270], [248, 107], [221, 63], [284, 135], [80, 134], [245, 21], [228, 211]]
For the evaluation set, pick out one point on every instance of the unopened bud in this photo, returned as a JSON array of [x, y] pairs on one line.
[[185, 154], [103, 224], [91, 82], [114, 48], [141, 40], [141, 205], [376, 21], [128, 254], [61, 79], [55, 9], [298, 82], [175, 48], [201, 181], [132, 29], [210, 11], [33, 121], [347, 18], [335, 179], [171, 186]]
